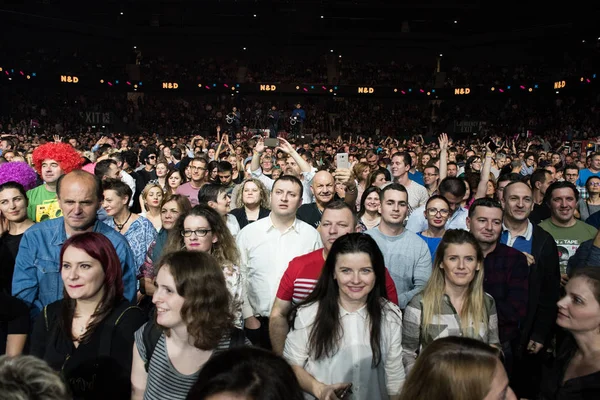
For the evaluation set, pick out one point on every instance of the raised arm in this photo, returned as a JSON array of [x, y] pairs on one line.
[[485, 174], [287, 148], [443, 140]]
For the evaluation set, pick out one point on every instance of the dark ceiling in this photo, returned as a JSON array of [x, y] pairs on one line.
[[380, 25]]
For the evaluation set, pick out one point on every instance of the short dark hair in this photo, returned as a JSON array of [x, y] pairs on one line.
[[341, 205], [122, 189], [131, 158], [392, 186], [210, 192], [405, 157], [249, 371], [224, 166], [453, 185], [539, 175], [560, 185], [484, 202], [103, 167], [571, 166], [512, 177], [289, 178]]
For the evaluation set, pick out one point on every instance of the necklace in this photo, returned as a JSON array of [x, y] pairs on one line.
[[120, 226]]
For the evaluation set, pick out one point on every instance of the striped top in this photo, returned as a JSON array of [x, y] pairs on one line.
[[164, 381], [448, 323]]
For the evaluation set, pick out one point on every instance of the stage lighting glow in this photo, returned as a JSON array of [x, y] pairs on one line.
[[501, 91], [109, 84], [226, 85], [297, 87], [493, 88], [409, 90], [305, 89], [522, 87], [101, 80], [432, 90], [421, 90], [395, 90], [28, 76], [508, 87], [403, 92], [531, 89], [128, 83]]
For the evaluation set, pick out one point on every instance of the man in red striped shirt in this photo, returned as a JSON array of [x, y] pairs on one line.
[[302, 273]]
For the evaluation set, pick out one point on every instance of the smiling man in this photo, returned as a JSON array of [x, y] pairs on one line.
[[36, 279], [506, 273]]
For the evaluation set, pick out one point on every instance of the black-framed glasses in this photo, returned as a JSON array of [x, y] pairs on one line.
[[152, 157], [197, 232], [434, 211]]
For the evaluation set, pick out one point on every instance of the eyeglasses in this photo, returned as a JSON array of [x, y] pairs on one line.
[[594, 183], [531, 159], [152, 157], [198, 232], [197, 168], [430, 174], [434, 211]]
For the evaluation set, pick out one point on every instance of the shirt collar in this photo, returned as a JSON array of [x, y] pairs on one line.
[[294, 225], [362, 312], [528, 233]]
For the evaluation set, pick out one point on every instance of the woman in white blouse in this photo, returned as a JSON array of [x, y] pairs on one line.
[[346, 333]]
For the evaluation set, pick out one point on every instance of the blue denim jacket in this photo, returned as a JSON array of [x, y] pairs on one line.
[[37, 279]]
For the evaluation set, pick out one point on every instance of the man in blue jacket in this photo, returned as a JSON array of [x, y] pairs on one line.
[[36, 278]]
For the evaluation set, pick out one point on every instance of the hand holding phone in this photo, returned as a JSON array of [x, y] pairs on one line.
[[341, 160], [271, 142], [344, 393]]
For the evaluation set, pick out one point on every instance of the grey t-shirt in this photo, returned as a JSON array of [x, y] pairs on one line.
[[408, 259]]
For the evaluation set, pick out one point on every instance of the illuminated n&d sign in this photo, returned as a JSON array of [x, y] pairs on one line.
[[267, 88], [560, 84], [69, 79], [170, 85], [366, 90], [462, 90]]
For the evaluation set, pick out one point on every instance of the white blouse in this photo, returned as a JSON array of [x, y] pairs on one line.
[[352, 362]]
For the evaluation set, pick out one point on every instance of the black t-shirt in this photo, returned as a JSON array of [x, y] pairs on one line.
[[9, 246], [540, 212], [310, 214]]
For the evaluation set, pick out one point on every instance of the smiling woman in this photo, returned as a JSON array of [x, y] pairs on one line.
[[346, 334]]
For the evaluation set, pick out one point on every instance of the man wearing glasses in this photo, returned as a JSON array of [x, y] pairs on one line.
[[199, 178], [453, 190], [527, 165], [431, 175], [147, 172]]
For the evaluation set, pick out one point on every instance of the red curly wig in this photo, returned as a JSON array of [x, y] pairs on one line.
[[63, 153]]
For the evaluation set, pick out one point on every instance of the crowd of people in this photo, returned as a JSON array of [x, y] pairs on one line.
[[154, 266]]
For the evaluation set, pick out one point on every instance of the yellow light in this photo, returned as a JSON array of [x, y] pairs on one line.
[[395, 90], [428, 93], [1, 69], [330, 90], [28, 77], [135, 86], [199, 85], [101, 80], [493, 88], [530, 89], [232, 88], [581, 79], [297, 87]]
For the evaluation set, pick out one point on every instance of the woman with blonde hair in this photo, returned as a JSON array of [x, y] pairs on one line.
[[361, 171], [455, 368], [151, 198], [252, 203], [453, 302]]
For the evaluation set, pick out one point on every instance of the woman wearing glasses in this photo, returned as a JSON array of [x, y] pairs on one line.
[[453, 302], [437, 211], [587, 207], [203, 229]]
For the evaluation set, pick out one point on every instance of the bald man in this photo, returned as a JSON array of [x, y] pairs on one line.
[[36, 278], [323, 190]]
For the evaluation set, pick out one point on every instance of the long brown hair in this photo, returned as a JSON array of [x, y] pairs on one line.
[[97, 246], [206, 307]]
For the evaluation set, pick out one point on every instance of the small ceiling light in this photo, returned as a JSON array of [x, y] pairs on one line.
[[121, 12]]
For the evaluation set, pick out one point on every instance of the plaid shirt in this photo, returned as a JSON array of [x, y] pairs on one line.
[[583, 193], [507, 280], [446, 324]]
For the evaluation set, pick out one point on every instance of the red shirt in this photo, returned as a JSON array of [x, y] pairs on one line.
[[302, 274]]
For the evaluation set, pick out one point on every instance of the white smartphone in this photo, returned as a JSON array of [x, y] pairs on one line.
[[341, 160]]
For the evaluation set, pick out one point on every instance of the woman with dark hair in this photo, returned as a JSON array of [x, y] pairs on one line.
[[213, 172], [246, 373], [88, 335], [346, 333], [13, 224], [437, 212], [368, 214], [575, 373], [453, 302], [174, 179], [193, 322], [377, 178], [203, 229], [458, 368], [587, 207]]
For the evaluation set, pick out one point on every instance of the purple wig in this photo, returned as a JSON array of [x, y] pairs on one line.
[[18, 171]]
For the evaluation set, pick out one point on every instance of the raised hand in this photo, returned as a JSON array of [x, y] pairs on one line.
[[443, 140]]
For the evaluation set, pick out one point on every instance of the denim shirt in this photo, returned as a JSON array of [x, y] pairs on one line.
[[37, 279]]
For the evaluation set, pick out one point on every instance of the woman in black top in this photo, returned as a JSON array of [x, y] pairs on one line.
[[575, 374], [252, 202], [88, 335], [13, 223]]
